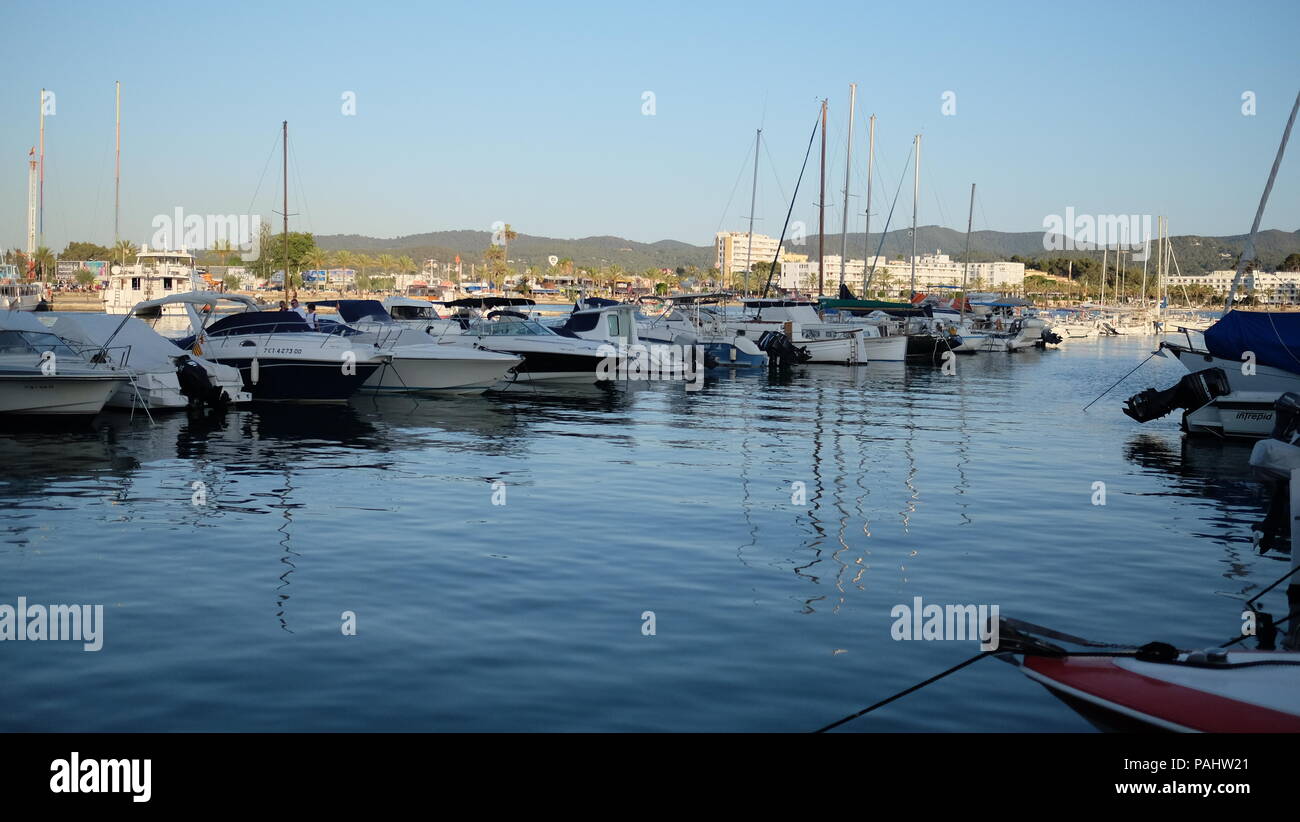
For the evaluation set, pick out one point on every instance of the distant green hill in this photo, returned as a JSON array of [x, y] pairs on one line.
[[1194, 254]]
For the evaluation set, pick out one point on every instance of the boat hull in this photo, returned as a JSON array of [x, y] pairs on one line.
[[1125, 693], [63, 396]]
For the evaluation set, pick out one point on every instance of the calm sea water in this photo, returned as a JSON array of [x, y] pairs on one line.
[[975, 488]]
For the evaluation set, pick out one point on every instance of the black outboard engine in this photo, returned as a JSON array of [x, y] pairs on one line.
[[196, 385], [1191, 392], [1050, 337], [781, 351]]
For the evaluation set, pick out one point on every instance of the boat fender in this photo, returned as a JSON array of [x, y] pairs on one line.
[[1157, 652]]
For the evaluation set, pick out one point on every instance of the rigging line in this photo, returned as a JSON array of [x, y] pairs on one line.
[[302, 192], [811, 137], [918, 686], [257, 190], [780, 188], [727, 208], [885, 231]]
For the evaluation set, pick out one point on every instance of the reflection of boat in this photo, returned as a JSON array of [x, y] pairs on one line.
[[42, 375]]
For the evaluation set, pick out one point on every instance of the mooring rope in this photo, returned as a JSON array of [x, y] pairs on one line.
[[918, 686]]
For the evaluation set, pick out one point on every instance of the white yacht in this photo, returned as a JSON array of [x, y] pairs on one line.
[[279, 356], [420, 363], [154, 276], [162, 375], [41, 375], [17, 294]]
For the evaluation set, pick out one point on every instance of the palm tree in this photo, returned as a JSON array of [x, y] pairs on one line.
[[406, 265], [387, 262], [44, 260], [123, 249]]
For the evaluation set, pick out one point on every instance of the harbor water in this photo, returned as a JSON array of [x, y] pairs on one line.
[[619, 558]]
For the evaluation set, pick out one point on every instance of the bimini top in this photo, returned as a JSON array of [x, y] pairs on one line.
[[351, 311], [1274, 337], [197, 298], [688, 299], [486, 302]]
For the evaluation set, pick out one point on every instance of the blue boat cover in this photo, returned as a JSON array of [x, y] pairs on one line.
[[1274, 337]]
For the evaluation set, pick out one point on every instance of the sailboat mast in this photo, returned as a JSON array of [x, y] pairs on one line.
[[40, 225], [970, 220], [871, 157], [821, 215], [848, 166], [753, 193], [1248, 253], [285, 152], [117, 165], [1104, 251], [916, 195]]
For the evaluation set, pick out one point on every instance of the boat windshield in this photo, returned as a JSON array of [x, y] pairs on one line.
[[34, 342], [511, 328]]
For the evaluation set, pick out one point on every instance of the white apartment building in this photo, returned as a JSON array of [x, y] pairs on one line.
[[932, 270], [801, 275], [1270, 288], [733, 255]]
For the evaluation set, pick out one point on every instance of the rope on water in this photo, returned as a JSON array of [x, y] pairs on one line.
[[918, 686]]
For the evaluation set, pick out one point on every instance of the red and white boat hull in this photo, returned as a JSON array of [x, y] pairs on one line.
[[1123, 693]]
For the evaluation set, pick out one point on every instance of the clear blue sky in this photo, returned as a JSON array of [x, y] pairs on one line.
[[469, 113]]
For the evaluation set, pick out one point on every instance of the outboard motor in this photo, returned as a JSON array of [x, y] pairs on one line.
[[1191, 392], [1272, 461], [196, 385], [781, 350], [1050, 337]]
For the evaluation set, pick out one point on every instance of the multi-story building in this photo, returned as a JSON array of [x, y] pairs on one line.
[[1269, 288], [932, 270], [733, 254]]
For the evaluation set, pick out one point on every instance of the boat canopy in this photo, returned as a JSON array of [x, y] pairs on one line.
[[351, 311], [1274, 337], [197, 298], [687, 299], [487, 302]]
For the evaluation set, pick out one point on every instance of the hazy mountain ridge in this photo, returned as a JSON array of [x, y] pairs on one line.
[[1194, 254]]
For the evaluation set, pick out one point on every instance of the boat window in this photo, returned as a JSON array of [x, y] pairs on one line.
[[135, 283], [167, 283], [34, 342], [613, 324]]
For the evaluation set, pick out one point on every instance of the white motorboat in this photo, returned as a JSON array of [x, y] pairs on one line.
[[42, 375], [278, 355], [17, 294], [420, 363], [690, 319], [162, 375], [830, 343]]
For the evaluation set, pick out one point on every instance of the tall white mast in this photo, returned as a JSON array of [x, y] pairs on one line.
[[848, 166], [916, 195], [117, 163], [1248, 253], [31, 204], [871, 158], [970, 220], [753, 193]]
